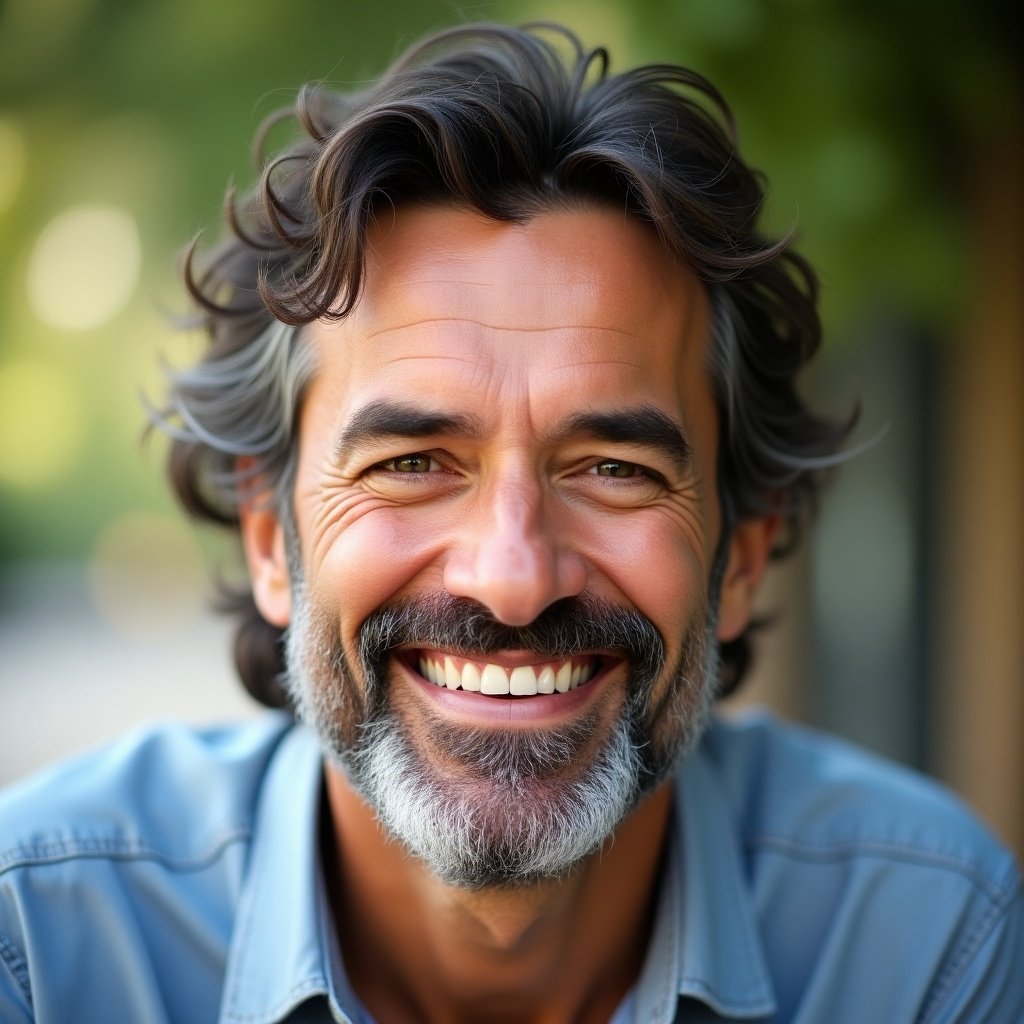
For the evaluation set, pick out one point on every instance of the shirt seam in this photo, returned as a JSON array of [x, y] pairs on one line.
[[882, 848], [61, 851], [959, 963], [17, 965]]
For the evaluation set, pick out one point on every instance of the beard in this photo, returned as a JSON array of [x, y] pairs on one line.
[[486, 807]]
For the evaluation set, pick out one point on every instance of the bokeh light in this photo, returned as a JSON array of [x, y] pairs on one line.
[[41, 422], [84, 267]]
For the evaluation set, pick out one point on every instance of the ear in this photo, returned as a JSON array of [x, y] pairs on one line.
[[263, 540], [749, 549]]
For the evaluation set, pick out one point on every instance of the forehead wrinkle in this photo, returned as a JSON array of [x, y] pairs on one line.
[[432, 357], [597, 362], [382, 332]]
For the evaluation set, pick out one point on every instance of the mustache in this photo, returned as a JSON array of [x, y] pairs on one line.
[[570, 626]]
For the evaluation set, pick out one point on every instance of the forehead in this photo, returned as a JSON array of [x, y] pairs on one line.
[[583, 299]]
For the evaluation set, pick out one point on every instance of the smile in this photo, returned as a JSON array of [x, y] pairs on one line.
[[490, 679]]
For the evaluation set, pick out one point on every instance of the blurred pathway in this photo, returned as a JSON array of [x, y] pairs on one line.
[[69, 679]]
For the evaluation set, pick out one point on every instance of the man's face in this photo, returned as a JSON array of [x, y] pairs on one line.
[[506, 482]]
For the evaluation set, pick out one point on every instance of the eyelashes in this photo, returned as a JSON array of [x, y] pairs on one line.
[[622, 469], [413, 464]]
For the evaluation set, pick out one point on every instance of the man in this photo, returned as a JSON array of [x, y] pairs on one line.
[[501, 398]]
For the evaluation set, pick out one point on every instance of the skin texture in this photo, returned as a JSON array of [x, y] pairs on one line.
[[513, 332]]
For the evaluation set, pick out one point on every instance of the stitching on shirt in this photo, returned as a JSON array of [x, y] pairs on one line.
[[115, 848], [882, 848], [18, 967], [958, 964]]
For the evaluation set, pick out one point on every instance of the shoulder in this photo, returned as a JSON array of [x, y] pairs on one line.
[[796, 788], [867, 874], [121, 870], [169, 792]]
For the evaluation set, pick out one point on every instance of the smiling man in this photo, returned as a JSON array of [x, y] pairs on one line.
[[502, 435], [501, 399]]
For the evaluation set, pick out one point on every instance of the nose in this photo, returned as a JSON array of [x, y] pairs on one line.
[[510, 556]]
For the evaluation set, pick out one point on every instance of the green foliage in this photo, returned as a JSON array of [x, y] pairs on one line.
[[868, 118]]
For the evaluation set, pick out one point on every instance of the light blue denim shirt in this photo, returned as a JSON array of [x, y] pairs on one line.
[[174, 877]]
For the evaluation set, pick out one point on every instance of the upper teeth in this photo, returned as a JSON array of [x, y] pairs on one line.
[[494, 679]]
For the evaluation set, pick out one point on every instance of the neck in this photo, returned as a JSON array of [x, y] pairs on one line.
[[556, 951]]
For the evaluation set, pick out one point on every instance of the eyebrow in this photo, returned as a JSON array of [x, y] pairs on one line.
[[382, 418], [642, 425]]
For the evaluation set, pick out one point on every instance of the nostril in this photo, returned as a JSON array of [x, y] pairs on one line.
[[515, 590]]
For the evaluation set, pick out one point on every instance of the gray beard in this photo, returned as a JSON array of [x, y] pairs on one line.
[[509, 808]]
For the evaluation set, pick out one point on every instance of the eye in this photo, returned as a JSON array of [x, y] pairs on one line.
[[620, 469], [622, 483], [416, 462]]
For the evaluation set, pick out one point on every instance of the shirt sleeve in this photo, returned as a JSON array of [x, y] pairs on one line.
[[989, 987]]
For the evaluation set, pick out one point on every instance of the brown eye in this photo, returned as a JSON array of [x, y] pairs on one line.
[[613, 467], [417, 463]]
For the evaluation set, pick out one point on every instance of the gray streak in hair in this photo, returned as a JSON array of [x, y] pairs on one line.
[[244, 405]]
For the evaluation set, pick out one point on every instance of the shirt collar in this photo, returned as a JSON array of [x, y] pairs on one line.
[[705, 944], [283, 944]]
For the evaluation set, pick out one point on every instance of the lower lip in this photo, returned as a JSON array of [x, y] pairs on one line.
[[544, 708]]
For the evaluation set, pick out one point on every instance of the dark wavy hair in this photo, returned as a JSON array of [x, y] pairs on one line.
[[512, 123]]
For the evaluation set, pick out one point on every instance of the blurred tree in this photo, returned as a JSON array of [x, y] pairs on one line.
[[870, 117]]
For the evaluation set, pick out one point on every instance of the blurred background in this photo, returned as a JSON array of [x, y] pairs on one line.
[[890, 132]]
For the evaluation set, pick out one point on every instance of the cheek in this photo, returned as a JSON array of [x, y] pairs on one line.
[[655, 566], [371, 562]]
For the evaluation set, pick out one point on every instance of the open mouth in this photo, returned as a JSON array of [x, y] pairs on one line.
[[490, 679]]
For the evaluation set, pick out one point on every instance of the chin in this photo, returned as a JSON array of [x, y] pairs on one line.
[[522, 819]]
